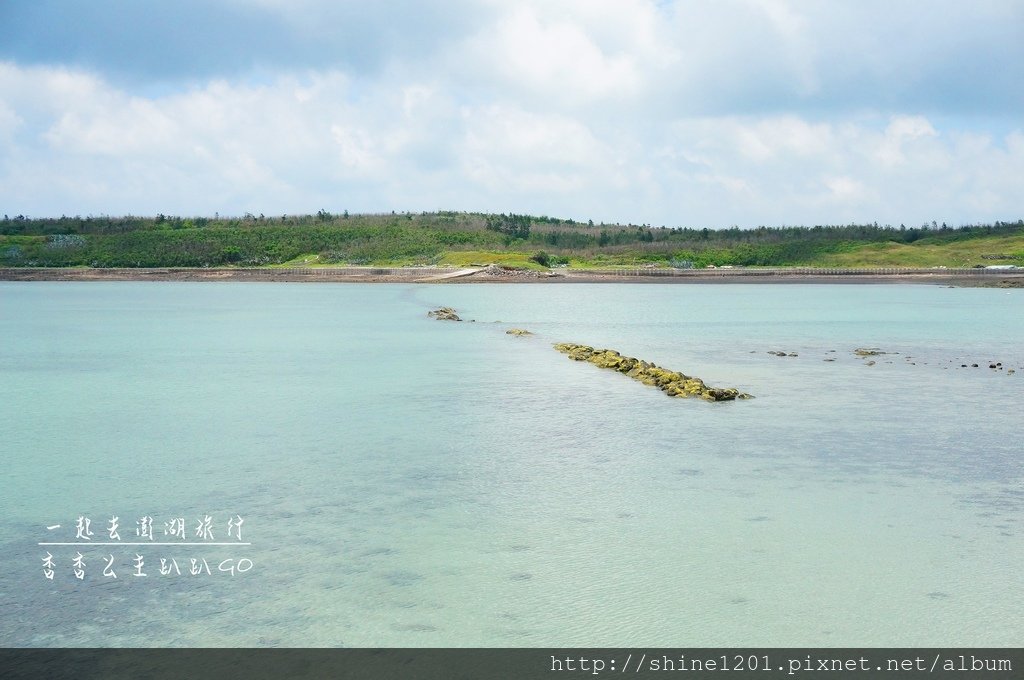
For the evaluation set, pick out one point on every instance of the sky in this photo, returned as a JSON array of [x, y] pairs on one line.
[[698, 113]]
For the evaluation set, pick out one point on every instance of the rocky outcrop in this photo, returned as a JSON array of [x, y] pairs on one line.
[[517, 331], [670, 382], [497, 271], [444, 314]]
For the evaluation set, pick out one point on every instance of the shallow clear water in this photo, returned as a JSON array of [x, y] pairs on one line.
[[409, 482]]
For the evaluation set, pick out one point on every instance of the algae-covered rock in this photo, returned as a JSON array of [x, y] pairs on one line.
[[444, 314], [868, 352], [606, 359], [517, 332], [672, 383], [575, 352]]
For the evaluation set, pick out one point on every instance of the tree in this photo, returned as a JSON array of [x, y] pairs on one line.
[[513, 226]]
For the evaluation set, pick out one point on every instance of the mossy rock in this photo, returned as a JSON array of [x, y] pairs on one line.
[[444, 314], [606, 359], [672, 383], [575, 352]]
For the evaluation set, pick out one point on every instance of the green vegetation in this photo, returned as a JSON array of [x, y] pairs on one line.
[[463, 239]]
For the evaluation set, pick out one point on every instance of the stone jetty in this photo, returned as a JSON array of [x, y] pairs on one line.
[[672, 383]]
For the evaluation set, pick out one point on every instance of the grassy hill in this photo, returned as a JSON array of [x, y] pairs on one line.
[[454, 238], [932, 252]]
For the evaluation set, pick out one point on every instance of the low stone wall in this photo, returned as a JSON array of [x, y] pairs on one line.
[[672, 383]]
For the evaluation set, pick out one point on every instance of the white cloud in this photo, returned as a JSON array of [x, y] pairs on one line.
[[734, 112], [9, 122], [509, 150], [903, 134], [845, 188], [540, 52], [766, 170], [357, 150]]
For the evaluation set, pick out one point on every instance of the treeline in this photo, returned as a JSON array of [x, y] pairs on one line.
[[213, 246], [255, 240], [104, 224]]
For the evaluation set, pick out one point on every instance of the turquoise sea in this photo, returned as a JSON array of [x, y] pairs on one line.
[[411, 482]]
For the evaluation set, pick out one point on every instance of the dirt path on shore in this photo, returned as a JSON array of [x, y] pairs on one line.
[[447, 277]]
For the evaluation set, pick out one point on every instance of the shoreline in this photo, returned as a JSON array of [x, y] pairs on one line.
[[971, 278]]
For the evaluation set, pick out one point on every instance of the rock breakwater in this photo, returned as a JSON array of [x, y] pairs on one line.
[[444, 314], [672, 383]]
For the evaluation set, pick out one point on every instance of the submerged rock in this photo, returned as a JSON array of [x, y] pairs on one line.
[[444, 314], [517, 331], [672, 383], [868, 352]]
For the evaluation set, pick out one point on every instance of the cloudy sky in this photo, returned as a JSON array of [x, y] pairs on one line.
[[667, 112]]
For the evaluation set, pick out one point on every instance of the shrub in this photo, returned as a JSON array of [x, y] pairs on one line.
[[230, 254], [541, 258]]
